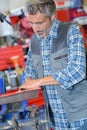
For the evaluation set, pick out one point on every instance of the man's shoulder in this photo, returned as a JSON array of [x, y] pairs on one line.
[[63, 28], [68, 26], [65, 24]]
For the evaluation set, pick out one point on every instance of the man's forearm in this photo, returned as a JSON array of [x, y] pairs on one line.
[[36, 83], [48, 80]]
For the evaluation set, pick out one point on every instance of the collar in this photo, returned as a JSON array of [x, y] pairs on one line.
[[53, 32]]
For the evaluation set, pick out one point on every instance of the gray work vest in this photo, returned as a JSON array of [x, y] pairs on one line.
[[74, 100]]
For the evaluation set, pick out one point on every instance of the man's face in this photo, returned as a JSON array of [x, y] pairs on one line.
[[40, 24]]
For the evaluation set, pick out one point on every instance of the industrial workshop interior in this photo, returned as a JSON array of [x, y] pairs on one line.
[[26, 109]]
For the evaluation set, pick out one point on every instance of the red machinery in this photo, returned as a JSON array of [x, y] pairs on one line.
[[5, 61]]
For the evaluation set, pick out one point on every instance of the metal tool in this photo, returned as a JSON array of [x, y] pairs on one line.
[[18, 96], [34, 122]]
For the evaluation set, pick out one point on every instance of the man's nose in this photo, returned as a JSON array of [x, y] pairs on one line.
[[35, 27]]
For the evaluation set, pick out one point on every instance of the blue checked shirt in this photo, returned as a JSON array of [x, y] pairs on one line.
[[69, 76]]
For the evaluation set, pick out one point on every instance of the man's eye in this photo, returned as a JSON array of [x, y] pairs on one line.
[[37, 23], [40, 22], [30, 22]]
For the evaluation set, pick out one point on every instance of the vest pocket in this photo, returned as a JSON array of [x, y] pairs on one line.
[[76, 99], [58, 62]]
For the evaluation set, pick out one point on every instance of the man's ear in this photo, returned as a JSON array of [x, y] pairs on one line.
[[53, 17]]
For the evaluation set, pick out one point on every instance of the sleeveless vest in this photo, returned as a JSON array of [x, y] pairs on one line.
[[74, 100]]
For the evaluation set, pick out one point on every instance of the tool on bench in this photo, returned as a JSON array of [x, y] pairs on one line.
[[17, 124]]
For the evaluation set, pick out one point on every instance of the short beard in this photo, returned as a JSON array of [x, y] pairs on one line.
[[45, 34]]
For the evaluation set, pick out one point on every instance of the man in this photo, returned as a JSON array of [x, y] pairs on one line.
[[56, 61]]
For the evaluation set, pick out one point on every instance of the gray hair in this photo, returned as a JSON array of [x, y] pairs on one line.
[[43, 6]]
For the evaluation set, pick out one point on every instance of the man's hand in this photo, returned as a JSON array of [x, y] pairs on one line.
[[31, 84], [37, 83]]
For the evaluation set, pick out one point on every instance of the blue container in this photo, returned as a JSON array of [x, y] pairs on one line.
[[22, 78], [2, 91], [2, 86]]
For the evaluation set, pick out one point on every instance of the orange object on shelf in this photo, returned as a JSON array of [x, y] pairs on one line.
[[15, 59], [7, 52]]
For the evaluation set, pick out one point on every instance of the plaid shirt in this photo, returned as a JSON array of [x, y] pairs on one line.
[[69, 76]]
